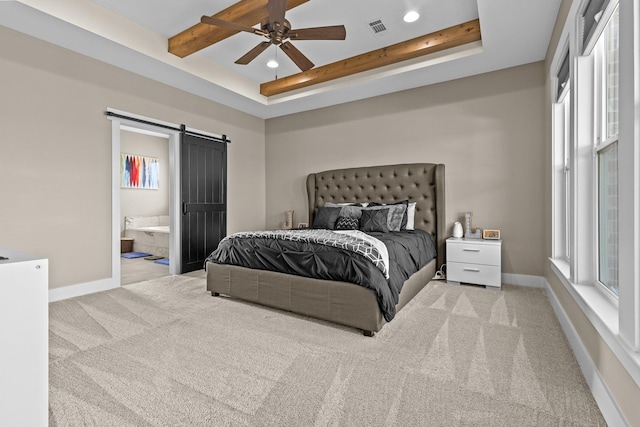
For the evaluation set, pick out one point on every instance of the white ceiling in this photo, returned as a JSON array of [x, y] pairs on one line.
[[133, 35]]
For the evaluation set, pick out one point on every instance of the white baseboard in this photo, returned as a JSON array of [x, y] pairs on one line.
[[66, 292], [524, 280], [606, 402]]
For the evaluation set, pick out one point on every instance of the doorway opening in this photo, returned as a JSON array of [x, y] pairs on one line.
[[133, 210], [144, 206]]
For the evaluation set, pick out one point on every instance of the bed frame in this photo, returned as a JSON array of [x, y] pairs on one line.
[[341, 302]]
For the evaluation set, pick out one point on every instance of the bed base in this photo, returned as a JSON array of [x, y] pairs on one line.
[[339, 302]]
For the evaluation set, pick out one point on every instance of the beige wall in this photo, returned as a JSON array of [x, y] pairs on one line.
[[488, 130], [145, 202], [622, 387], [55, 166]]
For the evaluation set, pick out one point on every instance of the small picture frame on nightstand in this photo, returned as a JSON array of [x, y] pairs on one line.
[[491, 234]]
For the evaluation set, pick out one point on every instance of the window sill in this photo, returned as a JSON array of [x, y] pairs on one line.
[[603, 315]]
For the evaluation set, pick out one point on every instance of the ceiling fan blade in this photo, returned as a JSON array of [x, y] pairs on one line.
[[277, 9], [296, 56], [231, 25], [336, 32], [253, 53]]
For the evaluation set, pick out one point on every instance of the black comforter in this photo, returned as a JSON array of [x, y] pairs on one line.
[[409, 251]]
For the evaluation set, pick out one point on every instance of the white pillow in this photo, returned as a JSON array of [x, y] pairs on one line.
[[411, 215]]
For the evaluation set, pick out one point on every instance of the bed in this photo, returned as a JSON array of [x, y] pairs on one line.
[[339, 301]]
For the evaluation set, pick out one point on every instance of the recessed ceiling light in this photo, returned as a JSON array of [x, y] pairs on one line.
[[411, 16], [272, 64]]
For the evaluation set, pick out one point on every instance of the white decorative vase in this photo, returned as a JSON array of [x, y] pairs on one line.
[[457, 230]]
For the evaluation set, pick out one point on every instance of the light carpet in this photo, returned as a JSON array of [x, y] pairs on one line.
[[166, 353]]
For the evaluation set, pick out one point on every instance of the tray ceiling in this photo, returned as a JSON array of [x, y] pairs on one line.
[[135, 36]]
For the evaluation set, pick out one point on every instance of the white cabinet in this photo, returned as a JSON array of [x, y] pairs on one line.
[[474, 261], [24, 340]]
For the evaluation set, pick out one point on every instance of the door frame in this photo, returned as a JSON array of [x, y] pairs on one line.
[[161, 130]]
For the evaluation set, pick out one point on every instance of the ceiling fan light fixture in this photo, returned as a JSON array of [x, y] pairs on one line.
[[272, 64], [411, 16]]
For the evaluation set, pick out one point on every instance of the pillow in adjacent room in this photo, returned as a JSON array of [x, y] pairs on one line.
[[345, 223], [374, 220], [326, 217]]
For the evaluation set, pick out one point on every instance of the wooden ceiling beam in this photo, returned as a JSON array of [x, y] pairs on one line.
[[246, 12], [448, 38]]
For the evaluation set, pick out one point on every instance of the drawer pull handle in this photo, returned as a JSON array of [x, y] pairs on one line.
[[475, 270], [471, 250]]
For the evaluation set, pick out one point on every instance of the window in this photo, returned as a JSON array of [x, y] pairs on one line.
[[590, 18], [562, 189], [606, 56], [595, 181], [562, 175], [566, 176]]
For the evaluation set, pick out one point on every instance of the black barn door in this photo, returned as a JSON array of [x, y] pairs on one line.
[[204, 198]]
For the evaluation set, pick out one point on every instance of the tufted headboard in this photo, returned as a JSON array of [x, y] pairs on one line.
[[422, 183]]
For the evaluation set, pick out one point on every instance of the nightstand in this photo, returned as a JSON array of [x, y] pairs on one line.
[[474, 261]]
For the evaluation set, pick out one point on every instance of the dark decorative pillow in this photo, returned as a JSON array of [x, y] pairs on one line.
[[405, 216], [326, 217], [345, 223], [394, 218], [374, 220]]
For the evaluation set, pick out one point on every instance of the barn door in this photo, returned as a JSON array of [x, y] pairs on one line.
[[203, 165]]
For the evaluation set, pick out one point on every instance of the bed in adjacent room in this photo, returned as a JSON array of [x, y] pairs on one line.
[[377, 239]]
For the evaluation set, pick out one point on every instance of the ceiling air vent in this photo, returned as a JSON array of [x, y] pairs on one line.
[[377, 26]]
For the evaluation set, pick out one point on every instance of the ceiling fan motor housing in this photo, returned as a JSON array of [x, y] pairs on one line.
[[276, 32]]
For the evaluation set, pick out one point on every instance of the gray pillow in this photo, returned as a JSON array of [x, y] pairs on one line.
[[395, 216], [326, 217], [374, 220], [350, 210]]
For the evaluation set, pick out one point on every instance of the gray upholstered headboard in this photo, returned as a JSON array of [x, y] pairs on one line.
[[422, 183]]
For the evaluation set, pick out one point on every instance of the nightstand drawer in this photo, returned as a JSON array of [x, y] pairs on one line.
[[488, 275], [473, 253]]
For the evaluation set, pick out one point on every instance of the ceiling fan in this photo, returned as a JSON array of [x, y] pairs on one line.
[[277, 30]]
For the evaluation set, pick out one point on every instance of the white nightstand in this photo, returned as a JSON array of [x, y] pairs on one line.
[[474, 261]]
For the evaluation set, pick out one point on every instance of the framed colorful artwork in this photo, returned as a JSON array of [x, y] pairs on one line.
[[139, 172]]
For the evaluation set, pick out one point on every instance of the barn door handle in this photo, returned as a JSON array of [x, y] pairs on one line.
[[184, 208]]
